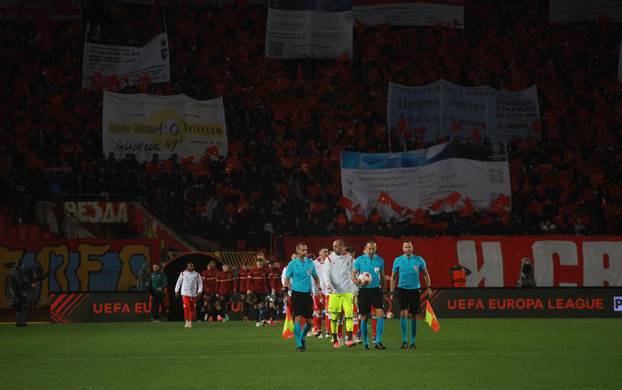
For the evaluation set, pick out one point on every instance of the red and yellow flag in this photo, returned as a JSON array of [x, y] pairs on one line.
[[288, 324], [430, 317]]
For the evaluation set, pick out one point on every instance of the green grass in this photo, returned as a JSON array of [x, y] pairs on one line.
[[465, 354]]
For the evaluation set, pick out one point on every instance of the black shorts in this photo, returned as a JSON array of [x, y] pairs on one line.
[[261, 297], [369, 297], [226, 299], [409, 300], [302, 304], [209, 298]]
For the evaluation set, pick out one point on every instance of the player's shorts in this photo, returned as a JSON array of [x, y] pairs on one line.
[[278, 299], [302, 304], [261, 297], [340, 302], [409, 300], [369, 297], [209, 298], [226, 299]]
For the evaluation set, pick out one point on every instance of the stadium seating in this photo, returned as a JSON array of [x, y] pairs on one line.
[[288, 121]]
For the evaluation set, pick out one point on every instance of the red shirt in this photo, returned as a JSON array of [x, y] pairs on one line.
[[242, 281], [258, 280], [209, 280], [275, 278], [225, 283]]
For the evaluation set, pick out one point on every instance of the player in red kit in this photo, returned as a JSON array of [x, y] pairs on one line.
[[226, 289], [209, 291], [259, 285], [242, 289]]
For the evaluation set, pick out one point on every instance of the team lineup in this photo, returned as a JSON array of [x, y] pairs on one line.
[[336, 289]]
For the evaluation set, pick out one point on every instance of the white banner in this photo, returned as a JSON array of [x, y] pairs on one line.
[[564, 11], [396, 184], [309, 28], [144, 124], [129, 63], [444, 109], [407, 13]]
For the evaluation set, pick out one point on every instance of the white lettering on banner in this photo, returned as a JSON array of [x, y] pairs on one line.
[[97, 212], [491, 272], [595, 271], [544, 266]]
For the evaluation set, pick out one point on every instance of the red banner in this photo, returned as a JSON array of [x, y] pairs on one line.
[[494, 261]]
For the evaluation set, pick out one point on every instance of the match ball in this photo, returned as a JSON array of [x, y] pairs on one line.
[[365, 278]]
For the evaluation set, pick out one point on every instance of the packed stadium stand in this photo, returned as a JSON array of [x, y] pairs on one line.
[[289, 120]]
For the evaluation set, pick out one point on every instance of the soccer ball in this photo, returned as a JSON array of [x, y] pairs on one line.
[[365, 278]]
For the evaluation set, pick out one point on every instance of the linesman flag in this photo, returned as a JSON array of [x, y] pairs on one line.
[[288, 324], [430, 317]]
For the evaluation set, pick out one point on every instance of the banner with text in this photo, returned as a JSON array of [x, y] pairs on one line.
[[309, 28], [97, 212], [397, 184], [528, 303], [66, 308], [79, 265], [409, 12], [109, 55], [564, 11], [144, 124], [443, 109], [494, 261]]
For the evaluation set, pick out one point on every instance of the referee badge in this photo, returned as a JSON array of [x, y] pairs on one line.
[[309, 272], [376, 269], [416, 267]]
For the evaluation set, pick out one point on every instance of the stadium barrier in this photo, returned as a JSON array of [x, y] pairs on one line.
[[99, 307], [527, 302], [447, 303]]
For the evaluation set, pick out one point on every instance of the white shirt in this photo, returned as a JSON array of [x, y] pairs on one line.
[[322, 273], [189, 283], [283, 278], [340, 273]]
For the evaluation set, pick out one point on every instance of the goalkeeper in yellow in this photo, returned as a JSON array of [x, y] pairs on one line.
[[340, 286]]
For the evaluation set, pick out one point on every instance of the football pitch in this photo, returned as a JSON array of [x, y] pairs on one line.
[[465, 354]]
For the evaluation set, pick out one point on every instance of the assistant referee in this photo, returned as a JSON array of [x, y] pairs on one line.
[[298, 276]]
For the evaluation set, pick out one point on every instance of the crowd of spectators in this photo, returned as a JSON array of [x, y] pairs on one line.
[[289, 120]]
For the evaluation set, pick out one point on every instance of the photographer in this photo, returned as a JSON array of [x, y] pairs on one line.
[[22, 284], [526, 278]]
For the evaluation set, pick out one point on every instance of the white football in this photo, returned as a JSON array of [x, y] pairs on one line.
[[365, 278]]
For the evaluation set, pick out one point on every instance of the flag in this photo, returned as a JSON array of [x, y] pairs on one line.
[[288, 324], [430, 317]]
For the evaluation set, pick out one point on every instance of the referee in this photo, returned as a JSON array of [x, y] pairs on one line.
[[408, 266], [298, 275], [371, 294]]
